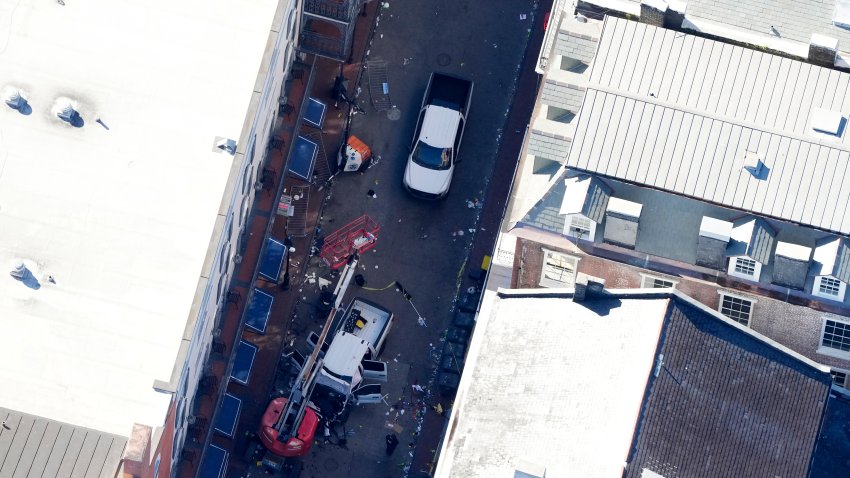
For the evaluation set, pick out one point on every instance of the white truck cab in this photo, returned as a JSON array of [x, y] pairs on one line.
[[439, 130]]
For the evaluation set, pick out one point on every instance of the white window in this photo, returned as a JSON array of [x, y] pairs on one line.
[[829, 288], [156, 466], [736, 308], [745, 268], [839, 377], [836, 335], [559, 270], [580, 226], [657, 282]]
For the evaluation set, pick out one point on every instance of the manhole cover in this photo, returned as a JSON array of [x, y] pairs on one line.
[[393, 114], [443, 59], [331, 465]]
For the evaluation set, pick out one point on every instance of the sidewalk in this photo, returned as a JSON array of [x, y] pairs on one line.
[[316, 82]]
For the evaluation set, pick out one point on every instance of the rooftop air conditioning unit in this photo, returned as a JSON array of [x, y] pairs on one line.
[[14, 97], [19, 270], [65, 109]]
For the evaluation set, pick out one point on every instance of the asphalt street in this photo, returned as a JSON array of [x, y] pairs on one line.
[[421, 244]]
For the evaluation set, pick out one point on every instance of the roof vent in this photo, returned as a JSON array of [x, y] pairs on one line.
[[225, 144], [527, 469], [15, 98], [66, 110], [827, 121], [752, 163], [19, 270]]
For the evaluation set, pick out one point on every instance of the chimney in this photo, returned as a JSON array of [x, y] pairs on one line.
[[587, 286], [675, 14], [714, 236], [137, 451], [822, 50], [652, 12]]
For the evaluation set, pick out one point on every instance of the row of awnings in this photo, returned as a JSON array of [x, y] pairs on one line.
[[257, 317], [215, 459], [259, 309]]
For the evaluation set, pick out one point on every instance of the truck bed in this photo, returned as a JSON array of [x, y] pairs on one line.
[[449, 91], [375, 320]]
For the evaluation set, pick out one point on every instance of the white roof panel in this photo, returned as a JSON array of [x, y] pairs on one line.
[[626, 208], [119, 212], [793, 251], [580, 423], [689, 136]]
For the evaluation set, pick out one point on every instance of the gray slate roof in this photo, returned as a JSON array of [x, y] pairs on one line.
[[677, 112], [726, 404], [832, 257], [758, 244], [545, 214], [580, 47], [33, 446], [547, 145], [562, 94]]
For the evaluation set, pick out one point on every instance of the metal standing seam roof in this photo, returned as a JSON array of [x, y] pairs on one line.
[[36, 446], [677, 112]]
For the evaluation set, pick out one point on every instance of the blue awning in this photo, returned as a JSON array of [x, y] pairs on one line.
[[242, 363], [315, 114], [303, 158], [228, 415], [257, 315], [215, 462], [272, 260]]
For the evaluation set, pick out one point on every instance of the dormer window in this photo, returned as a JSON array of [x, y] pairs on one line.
[[829, 288], [581, 227], [745, 266]]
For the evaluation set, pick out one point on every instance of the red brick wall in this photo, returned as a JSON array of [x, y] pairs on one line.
[[796, 327], [163, 450]]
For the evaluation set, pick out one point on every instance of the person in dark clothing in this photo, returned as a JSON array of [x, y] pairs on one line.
[[392, 442]]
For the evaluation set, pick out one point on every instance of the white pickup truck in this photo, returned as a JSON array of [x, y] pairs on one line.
[[350, 358], [436, 142]]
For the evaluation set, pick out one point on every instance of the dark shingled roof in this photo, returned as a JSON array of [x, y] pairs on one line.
[[35, 446], [832, 457], [725, 403]]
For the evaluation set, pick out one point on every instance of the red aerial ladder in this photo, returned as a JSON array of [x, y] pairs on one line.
[[289, 424], [356, 237]]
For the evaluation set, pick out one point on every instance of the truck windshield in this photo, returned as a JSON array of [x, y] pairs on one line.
[[430, 157]]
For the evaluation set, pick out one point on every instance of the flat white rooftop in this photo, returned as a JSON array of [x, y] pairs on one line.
[[119, 212], [511, 407]]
